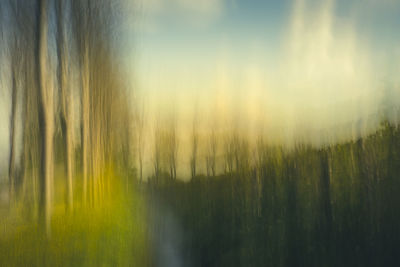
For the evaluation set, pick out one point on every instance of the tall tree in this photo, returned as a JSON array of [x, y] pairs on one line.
[[157, 154], [172, 148], [140, 142], [195, 143], [66, 99], [82, 15], [13, 117], [211, 157], [46, 114]]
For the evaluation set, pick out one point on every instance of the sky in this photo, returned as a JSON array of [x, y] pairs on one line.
[[293, 70], [297, 66]]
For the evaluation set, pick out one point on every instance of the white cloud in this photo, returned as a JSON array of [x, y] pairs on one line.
[[324, 63], [324, 75]]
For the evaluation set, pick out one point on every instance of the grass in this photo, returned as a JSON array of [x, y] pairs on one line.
[[112, 234]]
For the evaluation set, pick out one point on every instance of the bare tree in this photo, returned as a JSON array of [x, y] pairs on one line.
[[13, 118], [25, 72], [211, 158], [46, 114], [140, 139], [104, 107], [195, 143], [229, 155], [66, 99], [157, 153], [241, 154], [16, 47], [81, 20], [172, 148]]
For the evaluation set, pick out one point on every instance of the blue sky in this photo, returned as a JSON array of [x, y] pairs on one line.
[[185, 38], [240, 21], [292, 70]]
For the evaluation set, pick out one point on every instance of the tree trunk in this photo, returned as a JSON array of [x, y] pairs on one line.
[[11, 165], [66, 103], [46, 120], [85, 120], [69, 163]]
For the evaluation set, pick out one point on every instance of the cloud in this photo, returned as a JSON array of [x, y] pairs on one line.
[[324, 75], [325, 63]]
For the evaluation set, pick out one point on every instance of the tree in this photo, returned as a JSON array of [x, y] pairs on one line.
[[40, 107], [66, 100], [81, 11], [195, 143], [140, 138], [46, 114], [157, 153], [172, 148], [15, 62], [211, 158]]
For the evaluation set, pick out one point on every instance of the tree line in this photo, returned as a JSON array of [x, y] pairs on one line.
[[328, 206], [69, 104]]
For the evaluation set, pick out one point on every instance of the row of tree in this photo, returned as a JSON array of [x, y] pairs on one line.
[[69, 104], [171, 151], [331, 206]]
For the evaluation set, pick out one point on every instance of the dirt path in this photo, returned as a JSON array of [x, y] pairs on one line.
[[166, 236]]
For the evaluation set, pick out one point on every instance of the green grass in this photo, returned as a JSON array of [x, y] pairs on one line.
[[111, 234]]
